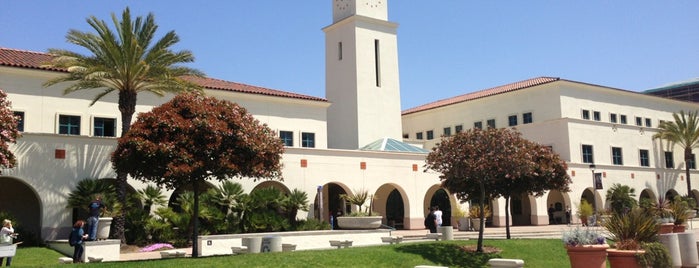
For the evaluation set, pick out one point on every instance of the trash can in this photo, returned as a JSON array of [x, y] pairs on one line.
[[447, 232], [272, 244], [253, 244]]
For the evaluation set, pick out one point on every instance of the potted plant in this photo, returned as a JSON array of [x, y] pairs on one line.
[[474, 213], [586, 247], [585, 210], [628, 231], [360, 219], [462, 221], [662, 211], [678, 210]]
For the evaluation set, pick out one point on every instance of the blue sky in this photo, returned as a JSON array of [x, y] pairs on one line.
[[446, 48]]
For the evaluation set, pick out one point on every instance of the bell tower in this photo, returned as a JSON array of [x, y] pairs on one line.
[[361, 74]]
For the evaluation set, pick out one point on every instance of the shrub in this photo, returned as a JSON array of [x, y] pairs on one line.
[[629, 230], [582, 236]]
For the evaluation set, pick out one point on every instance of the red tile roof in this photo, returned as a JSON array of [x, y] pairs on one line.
[[26, 59], [37, 60], [482, 94]]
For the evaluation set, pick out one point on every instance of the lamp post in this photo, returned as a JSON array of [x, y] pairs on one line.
[[592, 168]]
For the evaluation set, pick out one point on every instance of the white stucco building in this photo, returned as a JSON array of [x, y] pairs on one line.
[[66, 140]]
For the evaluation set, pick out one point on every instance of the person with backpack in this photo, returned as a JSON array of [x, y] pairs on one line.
[[6, 235], [77, 235], [431, 221]]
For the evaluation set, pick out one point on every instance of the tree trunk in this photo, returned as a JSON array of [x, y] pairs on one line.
[[127, 107], [507, 216], [687, 158], [482, 217], [195, 218]]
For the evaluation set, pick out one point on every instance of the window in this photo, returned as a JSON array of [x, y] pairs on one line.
[[478, 125], [104, 127], [612, 118], [639, 121], [287, 138], [308, 140], [512, 120], [406, 136], [418, 135], [692, 162], [669, 161], [527, 118], [491, 123], [587, 155], [644, 160], [377, 62], [596, 115], [430, 134], [69, 124], [20, 121], [616, 156], [648, 123], [586, 114], [447, 131], [339, 51], [622, 118], [459, 128]]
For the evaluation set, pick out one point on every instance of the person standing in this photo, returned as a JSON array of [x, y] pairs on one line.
[[77, 235], [95, 209], [7, 233], [438, 216], [568, 215], [550, 211], [431, 221]]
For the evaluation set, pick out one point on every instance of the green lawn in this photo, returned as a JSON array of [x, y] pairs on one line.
[[534, 252]]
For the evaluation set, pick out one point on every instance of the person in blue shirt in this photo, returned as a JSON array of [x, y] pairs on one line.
[[95, 209]]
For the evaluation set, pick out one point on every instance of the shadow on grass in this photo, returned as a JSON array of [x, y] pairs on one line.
[[448, 254]]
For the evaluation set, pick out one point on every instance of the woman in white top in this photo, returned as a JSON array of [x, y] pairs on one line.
[[6, 235]]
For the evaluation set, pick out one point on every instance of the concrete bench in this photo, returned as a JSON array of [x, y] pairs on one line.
[[506, 263], [392, 239], [65, 260], [340, 244], [171, 254], [430, 266], [288, 247], [239, 250], [435, 236]]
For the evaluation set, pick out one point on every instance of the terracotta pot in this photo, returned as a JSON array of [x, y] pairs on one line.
[[680, 228], [666, 228], [623, 258], [588, 256]]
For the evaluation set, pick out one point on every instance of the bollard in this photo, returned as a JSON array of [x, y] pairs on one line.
[[673, 247]]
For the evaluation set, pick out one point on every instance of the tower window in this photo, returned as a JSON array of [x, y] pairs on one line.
[[69, 124], [527, 118], [287, 138], [377, 62], [308, 140], [104, 127], [20, 120], [339, 51]]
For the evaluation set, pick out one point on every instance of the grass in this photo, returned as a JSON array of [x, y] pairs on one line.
[[534, 252]]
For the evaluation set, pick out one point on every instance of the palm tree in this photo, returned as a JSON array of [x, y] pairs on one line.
[[152, 195], [684, 131], [125, 61], [621, 198]]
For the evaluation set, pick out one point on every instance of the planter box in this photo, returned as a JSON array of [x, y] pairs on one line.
[[353, 223]]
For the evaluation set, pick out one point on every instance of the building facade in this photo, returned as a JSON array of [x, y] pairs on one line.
[[65, 139]]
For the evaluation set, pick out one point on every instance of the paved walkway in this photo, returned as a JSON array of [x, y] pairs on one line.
[[516, 232]]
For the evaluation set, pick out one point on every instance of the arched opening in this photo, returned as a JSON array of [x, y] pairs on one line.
[[556, 207], [274, 184], [440, 199], [670, 195], [327, 202], [589, 196], [390, 201], [521, 210], [21, 203], [647, 197], [173, 203]]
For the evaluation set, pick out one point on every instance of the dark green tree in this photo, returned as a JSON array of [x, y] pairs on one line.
[[622, 198], [193, 138], [127, 60]]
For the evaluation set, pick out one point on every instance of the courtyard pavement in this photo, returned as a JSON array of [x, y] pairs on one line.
[[516, 232]]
